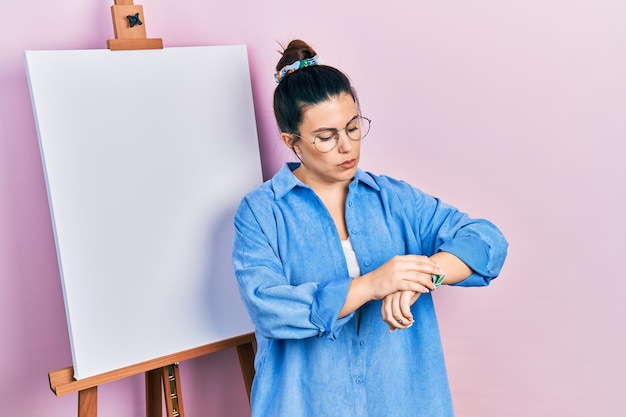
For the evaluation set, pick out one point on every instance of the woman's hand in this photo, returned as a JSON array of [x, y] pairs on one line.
[[396, 309], [410, 273], [402, 273]]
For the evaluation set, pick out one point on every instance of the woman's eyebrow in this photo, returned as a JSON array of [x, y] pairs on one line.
[[326, 129]]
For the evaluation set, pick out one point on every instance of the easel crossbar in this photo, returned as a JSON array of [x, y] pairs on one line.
[[62, 381]]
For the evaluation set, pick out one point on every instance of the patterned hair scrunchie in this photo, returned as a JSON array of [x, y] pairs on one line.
[[288, 69]]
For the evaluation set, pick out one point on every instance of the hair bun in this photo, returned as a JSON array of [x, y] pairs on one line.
[[295, 51]]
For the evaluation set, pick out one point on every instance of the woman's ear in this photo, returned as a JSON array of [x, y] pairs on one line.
[[289, 139]]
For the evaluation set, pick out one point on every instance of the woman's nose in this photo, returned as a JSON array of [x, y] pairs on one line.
[[344, 143]]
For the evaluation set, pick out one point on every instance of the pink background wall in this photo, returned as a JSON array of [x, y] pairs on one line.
[[511, 110]]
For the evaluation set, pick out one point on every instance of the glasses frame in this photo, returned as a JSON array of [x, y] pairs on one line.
[[335, 135]]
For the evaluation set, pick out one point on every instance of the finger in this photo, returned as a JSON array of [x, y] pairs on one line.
[[389, 313], [404, 320], [385, 311], [405, 301], [410, 285], [416, 295], [425, 280], [415, 258], [422, 275], [423, 264], [430, 283], [419, 260]]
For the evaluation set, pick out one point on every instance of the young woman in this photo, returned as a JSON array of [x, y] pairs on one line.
[[336, 265]]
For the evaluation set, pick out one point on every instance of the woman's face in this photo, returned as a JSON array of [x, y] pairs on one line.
[[338, 165]]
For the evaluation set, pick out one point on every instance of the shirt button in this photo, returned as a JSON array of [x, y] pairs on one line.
[[358, 380], [354, 232], [362, 343], [350, 203], [366, 263]]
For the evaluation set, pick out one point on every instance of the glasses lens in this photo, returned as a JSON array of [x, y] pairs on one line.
[[358, 128], [326, 142]]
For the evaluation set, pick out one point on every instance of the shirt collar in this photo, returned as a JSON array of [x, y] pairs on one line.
[[284, 180]]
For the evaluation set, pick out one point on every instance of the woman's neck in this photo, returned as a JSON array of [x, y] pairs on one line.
[[320, 186], [333, 195]]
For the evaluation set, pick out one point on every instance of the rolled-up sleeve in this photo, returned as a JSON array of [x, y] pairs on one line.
[[278, 309], [482, 247], [441, 227]]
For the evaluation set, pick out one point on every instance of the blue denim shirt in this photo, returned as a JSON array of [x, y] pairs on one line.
[[293, 279]]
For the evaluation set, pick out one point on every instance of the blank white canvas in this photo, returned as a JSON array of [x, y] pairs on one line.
[[146, 156]]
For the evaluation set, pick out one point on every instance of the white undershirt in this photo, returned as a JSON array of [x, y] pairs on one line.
[[353, 264]]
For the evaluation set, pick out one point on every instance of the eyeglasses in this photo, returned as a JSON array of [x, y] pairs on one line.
[[327, 140]]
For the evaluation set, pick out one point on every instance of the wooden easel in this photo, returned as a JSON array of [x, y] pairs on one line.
[[160, 372]]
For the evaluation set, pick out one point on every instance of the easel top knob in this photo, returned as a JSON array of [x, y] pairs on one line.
[[129, 28]]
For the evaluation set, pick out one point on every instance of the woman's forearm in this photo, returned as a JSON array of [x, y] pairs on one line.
[[455, 269]]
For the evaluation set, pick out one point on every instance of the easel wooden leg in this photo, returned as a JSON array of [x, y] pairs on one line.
[[170, 378], [154, 401], [88, 402], [172, 391], [246, 361]]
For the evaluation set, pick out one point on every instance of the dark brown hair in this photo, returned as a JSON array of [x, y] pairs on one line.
[[305, 87]]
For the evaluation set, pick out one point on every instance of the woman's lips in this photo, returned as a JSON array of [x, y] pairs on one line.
[[350, 163]]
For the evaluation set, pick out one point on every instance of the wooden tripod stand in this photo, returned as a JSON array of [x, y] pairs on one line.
[[161, 375]]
